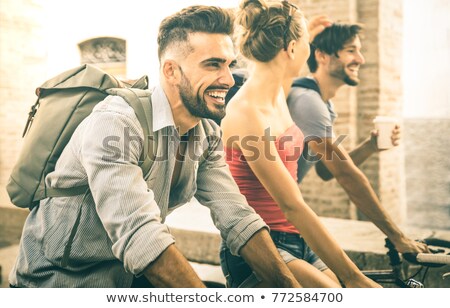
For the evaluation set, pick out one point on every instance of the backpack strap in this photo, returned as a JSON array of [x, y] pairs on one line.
[[310, 83], [239, 79], [307, 83], [65, 192], [140, 101]]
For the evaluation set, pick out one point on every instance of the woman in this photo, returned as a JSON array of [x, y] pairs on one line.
[[263, 145]]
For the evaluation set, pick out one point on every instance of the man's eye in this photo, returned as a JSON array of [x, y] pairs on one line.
[[214, 64]]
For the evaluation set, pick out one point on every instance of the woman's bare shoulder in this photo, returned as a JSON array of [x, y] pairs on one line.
[[242, 117]]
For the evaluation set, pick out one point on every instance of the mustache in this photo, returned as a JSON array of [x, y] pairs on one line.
[[354, 63], [212, 88]]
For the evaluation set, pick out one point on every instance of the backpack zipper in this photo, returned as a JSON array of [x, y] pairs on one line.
[[31, 115]]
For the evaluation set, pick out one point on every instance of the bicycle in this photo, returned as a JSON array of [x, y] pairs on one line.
[[398, 274]]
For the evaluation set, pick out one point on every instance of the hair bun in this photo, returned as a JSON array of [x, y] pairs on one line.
[[254, 13], [245, 3]]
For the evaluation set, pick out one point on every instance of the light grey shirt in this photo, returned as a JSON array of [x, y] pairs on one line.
[[315, 118], [121, 226]]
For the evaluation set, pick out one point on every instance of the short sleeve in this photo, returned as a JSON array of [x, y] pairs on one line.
[[310, 113]]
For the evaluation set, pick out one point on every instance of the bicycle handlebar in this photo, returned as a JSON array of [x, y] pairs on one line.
[[435, 259], [428, 259]]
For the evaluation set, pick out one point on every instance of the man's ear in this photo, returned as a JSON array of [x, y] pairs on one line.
[[171, 71], [321, 57]]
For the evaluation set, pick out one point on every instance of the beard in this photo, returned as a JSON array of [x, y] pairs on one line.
[[195, 104], [338, 71]]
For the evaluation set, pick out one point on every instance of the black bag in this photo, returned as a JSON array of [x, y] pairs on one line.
[[240, 78]]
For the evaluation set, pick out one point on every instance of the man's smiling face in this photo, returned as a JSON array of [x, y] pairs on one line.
[[346, 66], [206, 76]]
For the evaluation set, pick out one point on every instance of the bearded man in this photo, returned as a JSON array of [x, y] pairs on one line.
[[334, 62], [114, 235]]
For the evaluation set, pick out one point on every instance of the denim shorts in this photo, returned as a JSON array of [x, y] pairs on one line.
[[291, 247]]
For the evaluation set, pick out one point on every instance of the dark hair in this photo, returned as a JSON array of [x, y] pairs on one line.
[[331, 40], [267, 28], [197, 18]]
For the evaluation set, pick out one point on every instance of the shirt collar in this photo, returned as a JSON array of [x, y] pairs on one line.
[[162, 113]]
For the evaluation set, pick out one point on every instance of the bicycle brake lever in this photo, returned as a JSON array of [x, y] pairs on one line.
[[436, 250]]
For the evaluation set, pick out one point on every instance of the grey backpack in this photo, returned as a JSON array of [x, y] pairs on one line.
[[63, 102]]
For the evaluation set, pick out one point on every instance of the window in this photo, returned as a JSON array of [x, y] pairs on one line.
[[107, 53]]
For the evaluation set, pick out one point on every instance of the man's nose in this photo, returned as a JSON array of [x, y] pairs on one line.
[[226, 77], [360, 58]]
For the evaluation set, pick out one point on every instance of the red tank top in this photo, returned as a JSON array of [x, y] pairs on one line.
[[290, 147]]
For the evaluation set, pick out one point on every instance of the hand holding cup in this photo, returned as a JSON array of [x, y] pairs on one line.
[[387, 132]]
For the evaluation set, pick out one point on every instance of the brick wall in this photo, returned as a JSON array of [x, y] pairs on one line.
[[380, 92], [22, 65], [335, 202]]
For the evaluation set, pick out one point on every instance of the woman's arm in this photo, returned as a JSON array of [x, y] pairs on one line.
[[263, 159]]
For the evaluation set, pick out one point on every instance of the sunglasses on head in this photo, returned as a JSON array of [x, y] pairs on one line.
[[292, 8]]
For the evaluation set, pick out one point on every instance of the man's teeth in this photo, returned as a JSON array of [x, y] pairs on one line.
[[354, 71], [220, 95]]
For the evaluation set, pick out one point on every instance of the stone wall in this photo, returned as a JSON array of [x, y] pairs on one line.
[[200, 242], [23, 57]]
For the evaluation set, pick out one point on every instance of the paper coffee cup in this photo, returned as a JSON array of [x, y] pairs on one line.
[[385, 126]]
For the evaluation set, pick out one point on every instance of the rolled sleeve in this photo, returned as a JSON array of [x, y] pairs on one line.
[[110, 151], [230, 212], [243, 231], [145, 247]]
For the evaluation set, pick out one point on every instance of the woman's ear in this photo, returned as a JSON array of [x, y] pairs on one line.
[[291, 49]]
